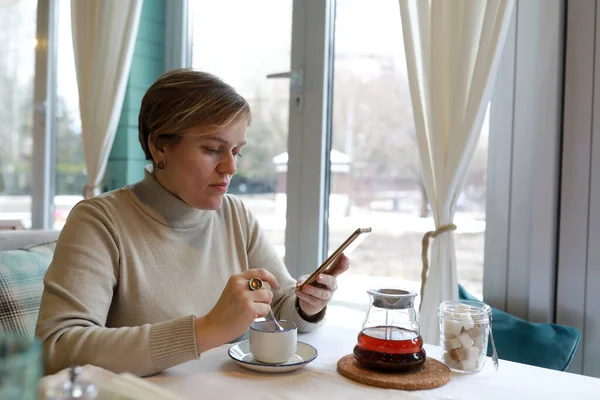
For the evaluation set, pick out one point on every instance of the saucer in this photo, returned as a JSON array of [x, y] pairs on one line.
[[240, 353]]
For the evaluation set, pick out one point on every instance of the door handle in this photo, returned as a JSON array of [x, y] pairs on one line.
[[296, 84], [279, 75], [296, 78]]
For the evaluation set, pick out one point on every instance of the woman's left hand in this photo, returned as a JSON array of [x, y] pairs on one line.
[[313, 299]]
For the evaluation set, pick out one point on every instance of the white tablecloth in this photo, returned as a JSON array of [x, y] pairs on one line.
[[216, 376]]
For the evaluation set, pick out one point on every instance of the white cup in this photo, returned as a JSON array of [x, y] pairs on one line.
[[270, 346]]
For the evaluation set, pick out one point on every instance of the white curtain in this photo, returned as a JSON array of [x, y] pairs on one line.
[[452, 54], [104, 34]]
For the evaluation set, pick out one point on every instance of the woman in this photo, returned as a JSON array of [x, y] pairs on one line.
[[154, 274]]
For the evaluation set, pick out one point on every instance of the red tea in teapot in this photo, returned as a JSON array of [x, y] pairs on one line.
[[390, 339], [390, 348]]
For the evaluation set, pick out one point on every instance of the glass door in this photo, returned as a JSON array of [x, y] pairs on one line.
[[242, 42]]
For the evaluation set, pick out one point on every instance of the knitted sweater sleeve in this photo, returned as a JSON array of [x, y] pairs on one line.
[[78, 291]]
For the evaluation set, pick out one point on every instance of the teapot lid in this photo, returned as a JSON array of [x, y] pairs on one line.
[[393, 299]]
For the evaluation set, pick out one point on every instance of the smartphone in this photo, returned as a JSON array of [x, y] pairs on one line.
[[347, 247]]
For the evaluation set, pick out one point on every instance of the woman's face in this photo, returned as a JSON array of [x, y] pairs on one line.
[[198, 168]]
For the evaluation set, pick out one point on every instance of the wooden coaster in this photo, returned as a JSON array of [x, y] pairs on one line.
[[433, 374]]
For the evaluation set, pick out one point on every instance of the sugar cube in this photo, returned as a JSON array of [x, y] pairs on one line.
[[478, 341], [467, 321], [449, 361], [451, 344], [475, 332], [465, 340], [458, 354], [452, 328], [473, 353], [468, 364]]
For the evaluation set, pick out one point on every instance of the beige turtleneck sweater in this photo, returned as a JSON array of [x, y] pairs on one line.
[[132, 269]]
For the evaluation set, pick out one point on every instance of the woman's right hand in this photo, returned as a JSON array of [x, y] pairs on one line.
[[235, 310]]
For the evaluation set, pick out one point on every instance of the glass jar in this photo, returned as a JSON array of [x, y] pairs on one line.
[[464, 332], [390, 339], [20, 367]]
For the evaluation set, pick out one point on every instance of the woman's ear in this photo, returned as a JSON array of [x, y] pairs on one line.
[[156, 148]]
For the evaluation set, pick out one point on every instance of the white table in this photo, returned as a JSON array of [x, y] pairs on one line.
[[216, 376]]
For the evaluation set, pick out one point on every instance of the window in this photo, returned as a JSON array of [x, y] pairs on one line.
[[244, 47], [23, 81], [70, 164], [375, 168], [17, 75]]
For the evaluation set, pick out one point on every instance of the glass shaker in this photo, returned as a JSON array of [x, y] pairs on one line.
[[390, 339], [464, 330], [75, 387]]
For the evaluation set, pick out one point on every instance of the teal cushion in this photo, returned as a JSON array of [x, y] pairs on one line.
[[543, 345], [21, 286]]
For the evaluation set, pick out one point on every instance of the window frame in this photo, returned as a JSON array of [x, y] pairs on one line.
[[579, 257], [178, 35], [43, 168], [522, 209], [521, 239], [309, 135]]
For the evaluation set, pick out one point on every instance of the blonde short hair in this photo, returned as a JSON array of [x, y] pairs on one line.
[[183, 100]]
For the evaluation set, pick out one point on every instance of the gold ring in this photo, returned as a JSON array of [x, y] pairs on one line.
[[255, 283]]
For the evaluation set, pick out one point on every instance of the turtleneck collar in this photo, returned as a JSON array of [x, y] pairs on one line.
[[163, 206]]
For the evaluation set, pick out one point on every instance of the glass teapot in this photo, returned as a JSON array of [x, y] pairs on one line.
[[390, 339]]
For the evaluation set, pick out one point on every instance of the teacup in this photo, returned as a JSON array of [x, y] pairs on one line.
[[269, 346]]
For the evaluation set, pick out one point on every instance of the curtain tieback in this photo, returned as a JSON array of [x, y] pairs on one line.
[[424, 252]]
